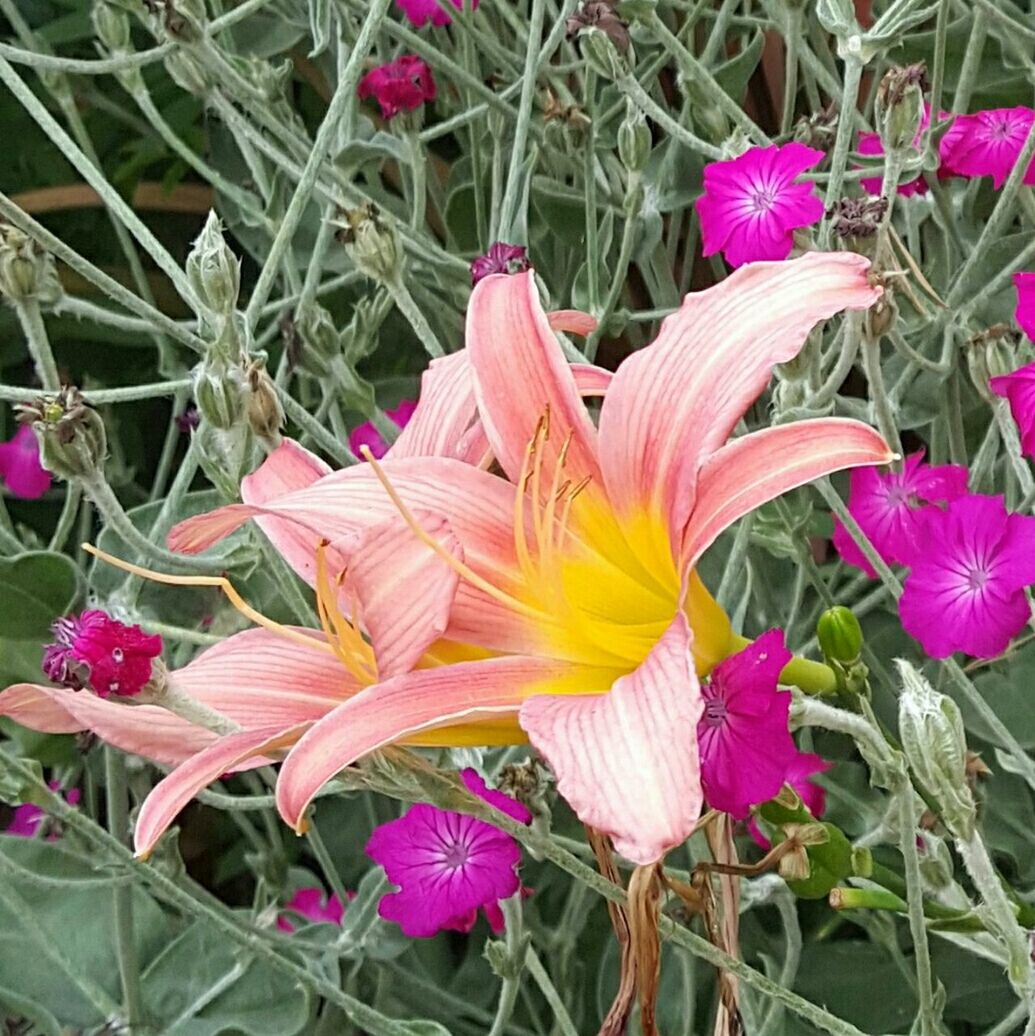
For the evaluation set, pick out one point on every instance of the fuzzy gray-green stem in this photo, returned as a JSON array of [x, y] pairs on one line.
[[31, 319]]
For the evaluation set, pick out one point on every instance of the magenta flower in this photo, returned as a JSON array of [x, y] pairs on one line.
[[96, 651], [803, 766], [314, 906], [367, 434], [402, 85], [751, 204], [1019, 388], [965, 592], [20, 466], [448, 865], [746, 748], [420, 12], [1024, 314], [889, 508], [987, 143], [26, 819], [500, 258]]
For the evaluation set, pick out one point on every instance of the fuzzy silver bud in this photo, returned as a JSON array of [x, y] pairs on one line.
[[213, 270]]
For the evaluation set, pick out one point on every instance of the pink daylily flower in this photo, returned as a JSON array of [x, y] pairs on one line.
[[556, 602]]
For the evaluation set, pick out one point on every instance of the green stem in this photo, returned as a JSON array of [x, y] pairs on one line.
[[323, 857], [66, 520], [930, 1023], [117, 799], [412, 312], [344, 95], [515, 174], [515, 958], [31, 319], [843, 140], [561, 1017]]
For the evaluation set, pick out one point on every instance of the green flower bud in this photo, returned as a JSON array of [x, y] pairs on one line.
[[371, 241], [990, 354], [73, 442], [935, 747], [224, 455], [899, 106], [601, 54], [839, 634], [187, 73], [26, 270], [213, 270], [264, 412], [219, 391], [634, 140], [111, 25], [315, 342], [936, 867]]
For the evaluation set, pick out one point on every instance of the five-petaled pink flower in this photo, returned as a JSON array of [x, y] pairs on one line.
[[965, 589], [987, 143], [803, 767], [367, 434], [751, 204], [1024, 313], [402, 85], [1018, 387], [448, 865], [744, 740], [889, 506], [512, 570], [500, 258], [20, 467], [420, 12], [26, 819], [314, 905], [96, 651]]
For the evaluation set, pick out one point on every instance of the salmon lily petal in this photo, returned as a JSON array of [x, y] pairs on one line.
[[627, 761], [405, 591], [258, 678], [675, 402], [751, 470], [289, 467], [174, 791], [572, 321], [38, 708], [520, 374], [145, 730], [406, 706]]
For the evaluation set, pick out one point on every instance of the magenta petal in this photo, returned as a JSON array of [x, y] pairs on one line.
[[20, 466], [1018, 388], [1025, 311]]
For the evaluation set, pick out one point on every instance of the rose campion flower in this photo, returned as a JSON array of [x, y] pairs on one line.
[[448, 865], [751, 204], [745, 745], [1019, 388], [1024, 314], [367, 434], [500, 258], [987, 143], [26, 819], [402, 85], [20, 468], [313, 905], [96, 651], [965, 590], [420, 12], [888, 507]]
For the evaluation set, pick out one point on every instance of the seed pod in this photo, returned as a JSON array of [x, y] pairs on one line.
[[73, 442], [26, 270], [840, 635], [371, 241]]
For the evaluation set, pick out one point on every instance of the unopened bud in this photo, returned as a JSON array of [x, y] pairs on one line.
[[634, 140], [935, 747], [224, 455], [840, 635], [111, 25], [219, 391], [265, 414], [992, 353], [26, 270], [318, 340], [213, 270], [900, 106], [936, 867], [371, 241], [601, 55], [73, 442], [187, 72]]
